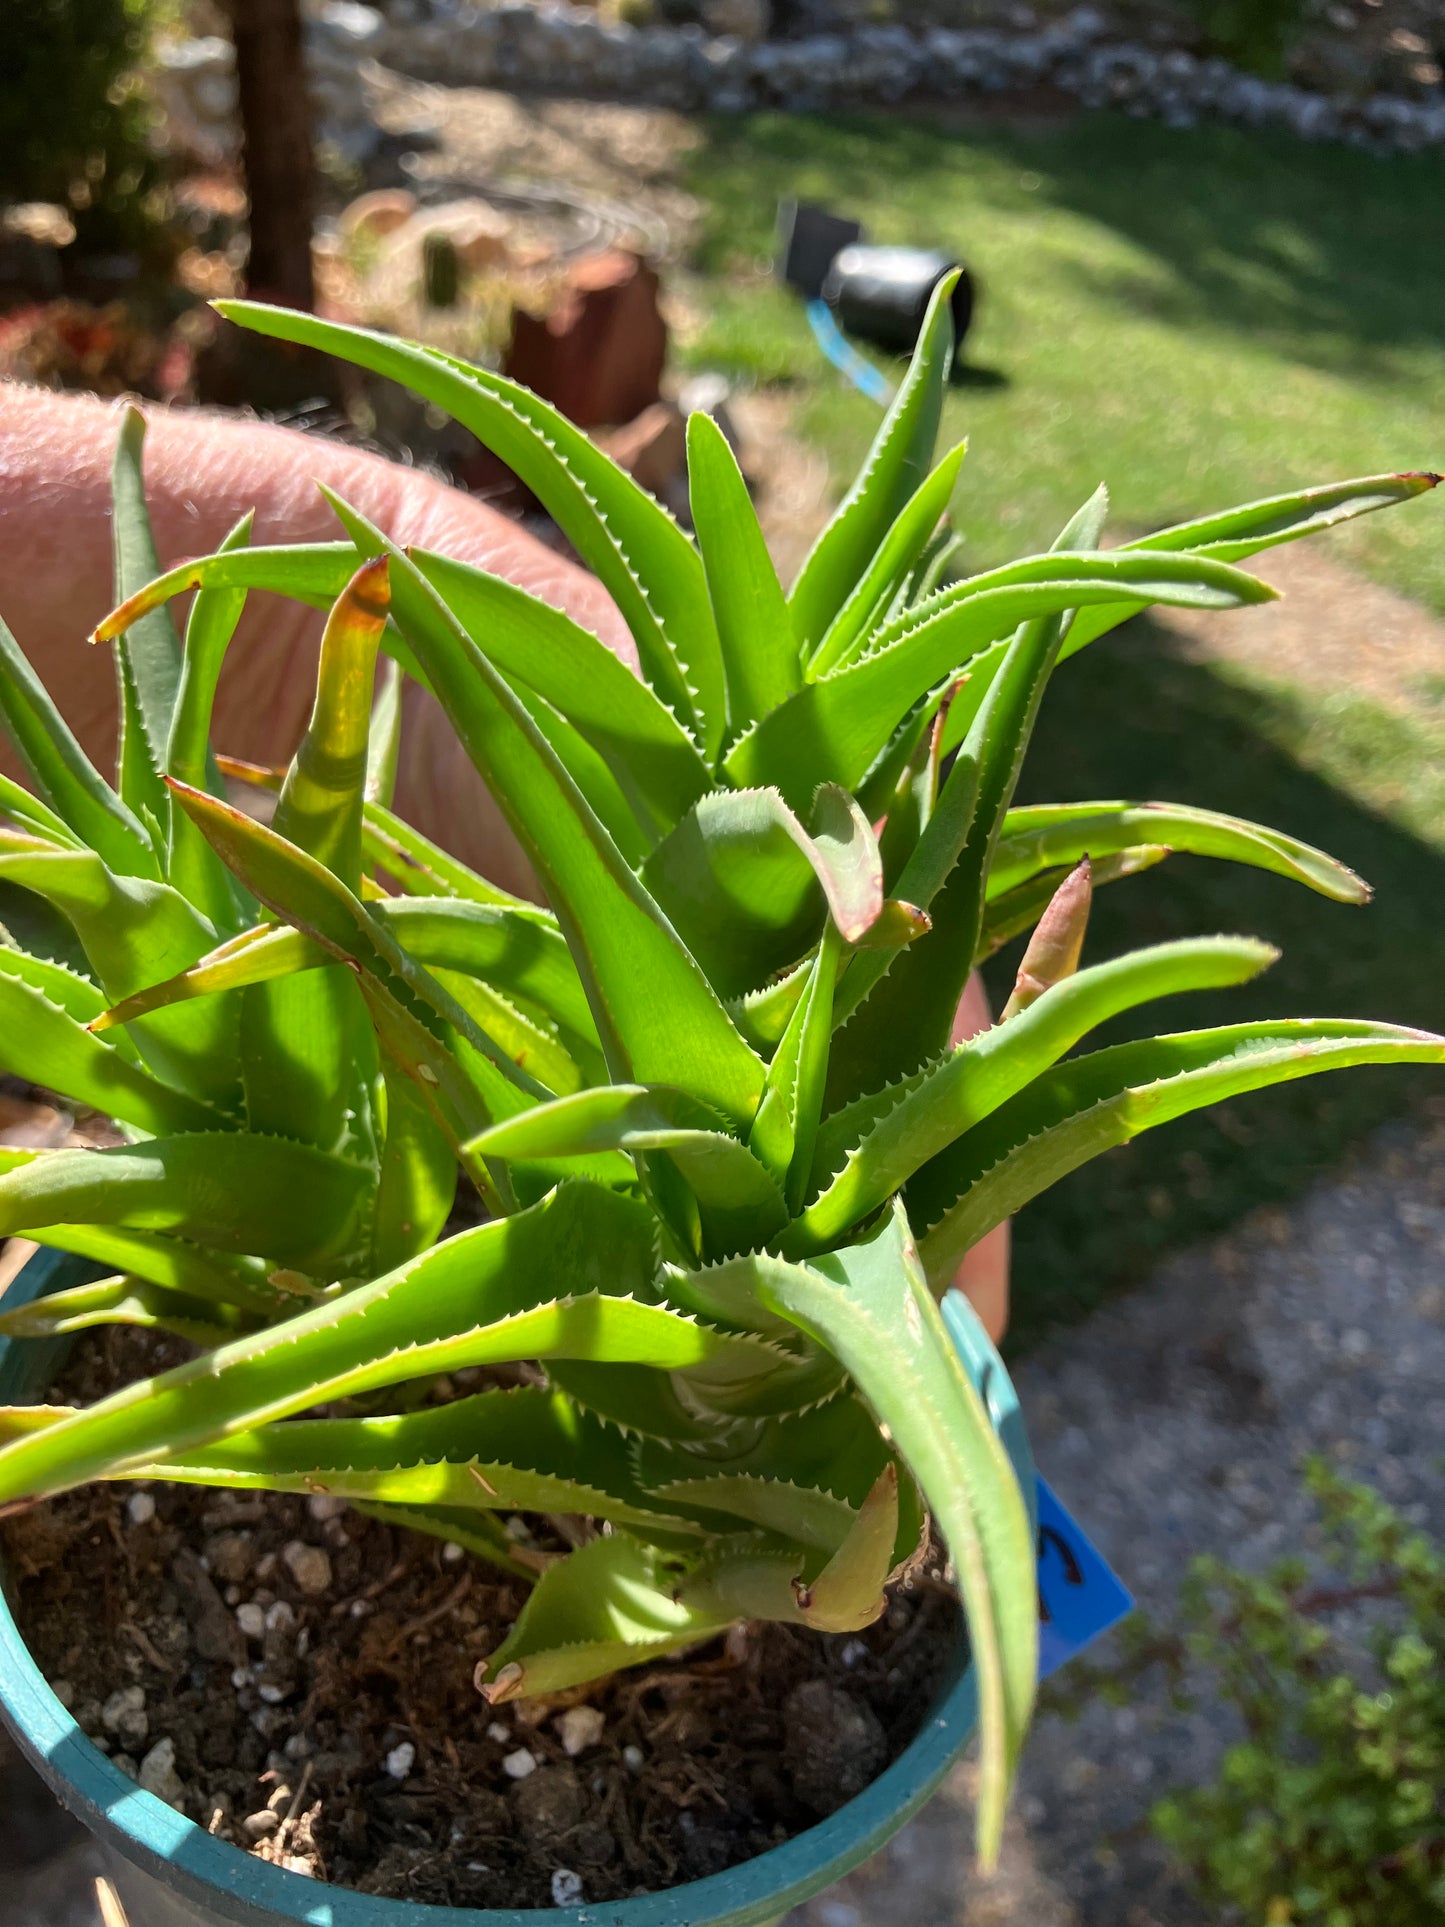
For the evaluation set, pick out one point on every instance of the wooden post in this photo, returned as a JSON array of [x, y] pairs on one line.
[[276, 155]]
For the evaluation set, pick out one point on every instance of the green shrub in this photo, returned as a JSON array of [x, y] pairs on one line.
[[73, 123], [1253, 33], [1331, 1812]]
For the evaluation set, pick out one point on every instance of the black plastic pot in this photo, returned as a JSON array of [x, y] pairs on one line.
[[881, 294]]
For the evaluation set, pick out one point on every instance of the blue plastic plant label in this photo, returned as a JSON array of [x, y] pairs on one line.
[[1079, 1595]]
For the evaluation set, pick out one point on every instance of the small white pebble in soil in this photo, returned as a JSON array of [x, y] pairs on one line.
[[140, 1508], [157, 1773], [309, 1566], [64, 1691], [452, 1553], [578, 1728], [294, 1863], [124, 1714], [855, 1650], [518, 1765], [299, 1747], [271, 1695], [517, 1529], [359, 1609], [498, 1732], [256, 1826], [401, 1760], [325, 1505], [279, 1617], [633, 1758], [251, 1618], [566, 1887], [241, 1677]]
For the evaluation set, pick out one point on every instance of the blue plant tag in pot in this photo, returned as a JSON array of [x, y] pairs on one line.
[[1080, 1597]]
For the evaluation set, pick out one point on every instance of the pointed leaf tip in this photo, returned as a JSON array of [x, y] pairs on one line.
[[1055, 947]]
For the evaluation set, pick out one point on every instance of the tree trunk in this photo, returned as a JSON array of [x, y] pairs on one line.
[[275, 147]]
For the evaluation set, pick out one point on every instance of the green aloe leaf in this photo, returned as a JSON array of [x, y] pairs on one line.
[[28, 813], [416, 1183], [1230, 537], [594, 778], [512, 1451], [221, 1277], [294, 1204], [67, 782], [191, 867], [468, 1080], [47, 1045], [658, 1017], [1044, 836], [148, 658], [739, 1202], [486, 1296], [1236, 534], [833, 729], [1091, 1103], [383, 749], [897, 463], [538, 647], [320, 805], [134, 930], [868, 1152], [421, 868], [517, 950], [755, 630], [870, 603], [309, 1055], [745, 885], [870, 1305], [786, 1126], [78, 996], [648, 565], [610, 1604], [123, 1301], [902, 1003]]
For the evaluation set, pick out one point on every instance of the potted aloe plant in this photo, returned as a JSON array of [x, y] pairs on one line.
[[728, 1159]]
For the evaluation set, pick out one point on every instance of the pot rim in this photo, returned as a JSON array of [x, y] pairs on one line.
[[238, 1888]]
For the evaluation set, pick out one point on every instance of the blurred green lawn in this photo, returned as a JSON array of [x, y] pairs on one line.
[[1197, 318]]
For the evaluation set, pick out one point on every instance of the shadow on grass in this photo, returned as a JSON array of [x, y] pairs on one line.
[[1135, 720]]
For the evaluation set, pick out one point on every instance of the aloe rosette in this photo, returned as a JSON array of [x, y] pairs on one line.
[[729, 1156]]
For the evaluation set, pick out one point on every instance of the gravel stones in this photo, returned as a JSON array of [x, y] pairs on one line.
[[309, 1566], [157, 1773], [835, 1744], [214, 1632], [558, 49], [124, 1716], [580, 1727]]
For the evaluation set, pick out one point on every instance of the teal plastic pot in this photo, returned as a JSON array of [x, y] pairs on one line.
[[169, 1873]]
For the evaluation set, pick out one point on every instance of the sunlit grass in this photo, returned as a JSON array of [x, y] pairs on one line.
[[1194, 316]]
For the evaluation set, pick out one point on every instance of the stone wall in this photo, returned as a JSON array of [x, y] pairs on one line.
[[558, 49]]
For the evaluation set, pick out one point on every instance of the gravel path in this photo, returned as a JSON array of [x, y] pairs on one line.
[[1171, 1423]]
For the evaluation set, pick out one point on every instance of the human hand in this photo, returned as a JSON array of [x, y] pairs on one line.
[[203, 473]]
